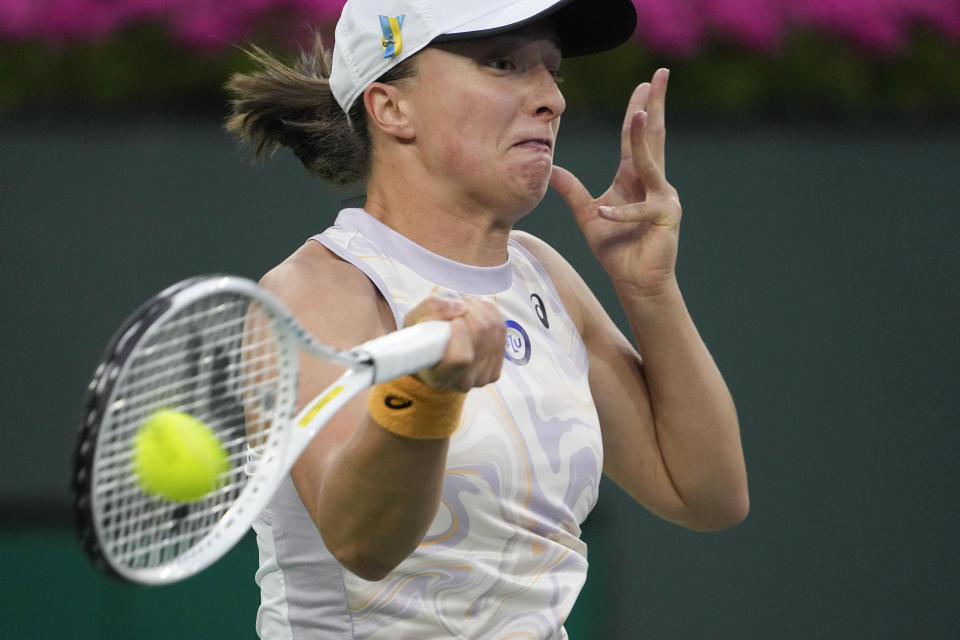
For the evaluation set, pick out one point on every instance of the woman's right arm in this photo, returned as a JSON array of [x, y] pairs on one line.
[[373, 494]]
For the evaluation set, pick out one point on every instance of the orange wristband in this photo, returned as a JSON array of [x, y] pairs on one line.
[[409, 408]]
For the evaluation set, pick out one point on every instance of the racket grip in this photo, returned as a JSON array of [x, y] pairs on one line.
[[408, 350]]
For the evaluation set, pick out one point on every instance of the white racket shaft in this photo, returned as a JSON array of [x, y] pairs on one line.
[[390, 356]]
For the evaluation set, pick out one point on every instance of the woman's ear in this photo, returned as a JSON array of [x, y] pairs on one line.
[[388, 110]]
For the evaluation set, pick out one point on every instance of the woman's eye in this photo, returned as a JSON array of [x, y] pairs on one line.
[[501, 64]]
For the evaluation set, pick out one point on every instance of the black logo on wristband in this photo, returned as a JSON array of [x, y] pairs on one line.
[[395, 402]]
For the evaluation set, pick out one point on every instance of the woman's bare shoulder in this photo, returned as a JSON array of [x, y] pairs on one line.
[[312, 269], [555, 264], [330, 296], [565, 278]]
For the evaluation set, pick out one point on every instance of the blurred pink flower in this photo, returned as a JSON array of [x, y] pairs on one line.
[[673, 27], [870, 23], [203, 24], [944, 15], [325, 8], [881, 25], [755, 24], [67, 20], [19, 20]]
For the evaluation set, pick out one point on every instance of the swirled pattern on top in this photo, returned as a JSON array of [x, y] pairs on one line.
[[503, 557]]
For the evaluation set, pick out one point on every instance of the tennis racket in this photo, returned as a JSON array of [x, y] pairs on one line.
[[226, 351]]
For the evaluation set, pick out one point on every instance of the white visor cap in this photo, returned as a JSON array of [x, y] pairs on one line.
[[373, 36]]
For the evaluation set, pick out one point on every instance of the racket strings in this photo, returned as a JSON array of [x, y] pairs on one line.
[[179, 523], [218, 359], [167, 359], [150, 379]]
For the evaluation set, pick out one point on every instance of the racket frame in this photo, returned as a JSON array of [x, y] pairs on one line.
[[383, 358]]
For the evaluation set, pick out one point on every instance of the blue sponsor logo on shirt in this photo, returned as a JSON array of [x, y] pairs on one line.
[[518, 344]]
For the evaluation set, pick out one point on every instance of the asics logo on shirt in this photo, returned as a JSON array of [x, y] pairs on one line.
[[541, 309]]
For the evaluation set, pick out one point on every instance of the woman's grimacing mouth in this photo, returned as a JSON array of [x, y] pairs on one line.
[[537, 144]]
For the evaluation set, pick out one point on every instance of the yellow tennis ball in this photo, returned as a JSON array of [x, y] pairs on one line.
[[178, 457]]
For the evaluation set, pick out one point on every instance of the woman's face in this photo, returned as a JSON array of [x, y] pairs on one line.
[[486, 114]]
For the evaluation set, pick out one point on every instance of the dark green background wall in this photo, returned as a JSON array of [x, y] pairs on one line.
[[820, 263]]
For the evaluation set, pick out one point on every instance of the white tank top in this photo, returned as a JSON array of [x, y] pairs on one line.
[[503, 557]]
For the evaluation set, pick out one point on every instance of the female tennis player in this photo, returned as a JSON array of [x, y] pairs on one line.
[[447, 504]]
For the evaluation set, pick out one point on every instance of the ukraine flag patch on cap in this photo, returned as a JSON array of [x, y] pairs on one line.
[[392, 42]]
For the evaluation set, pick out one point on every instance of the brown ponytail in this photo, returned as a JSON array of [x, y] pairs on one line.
[[292, 106]]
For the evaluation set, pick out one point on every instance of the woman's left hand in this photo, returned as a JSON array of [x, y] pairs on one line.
[[633, 228]]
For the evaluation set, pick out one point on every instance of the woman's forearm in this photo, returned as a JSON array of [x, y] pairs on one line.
[[695, 419], [378, 495]]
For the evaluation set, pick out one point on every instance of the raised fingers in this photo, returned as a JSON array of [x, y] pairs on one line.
[[656, 128], [645, 165], [637, 102], [572, 190], [649, 97], [662, 210]]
